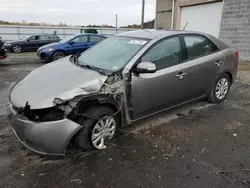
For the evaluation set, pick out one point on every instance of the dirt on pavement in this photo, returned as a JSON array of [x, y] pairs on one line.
[[198, 145]]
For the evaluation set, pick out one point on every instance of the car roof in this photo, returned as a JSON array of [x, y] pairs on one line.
[[153, 33], [150, 34], [82, 34]]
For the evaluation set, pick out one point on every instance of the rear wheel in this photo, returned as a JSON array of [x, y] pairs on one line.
[[99, 130], [17, 48], [58, 55], [220, 89]]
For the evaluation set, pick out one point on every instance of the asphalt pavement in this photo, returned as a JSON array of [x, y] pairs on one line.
[[196, 145]]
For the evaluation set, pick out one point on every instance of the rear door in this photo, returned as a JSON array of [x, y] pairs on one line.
[[202, 65], [79, 44], [43, 40]]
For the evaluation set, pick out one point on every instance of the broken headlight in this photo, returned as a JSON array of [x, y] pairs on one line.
[[58, 101]]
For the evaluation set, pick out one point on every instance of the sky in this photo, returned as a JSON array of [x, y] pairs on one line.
[[77, 12]]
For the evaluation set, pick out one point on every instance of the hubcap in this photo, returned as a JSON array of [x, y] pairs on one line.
[[59, 55], [222, 88], [17, 48], [104, 129]]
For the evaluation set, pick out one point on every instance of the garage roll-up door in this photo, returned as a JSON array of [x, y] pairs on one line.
[[204, 18]]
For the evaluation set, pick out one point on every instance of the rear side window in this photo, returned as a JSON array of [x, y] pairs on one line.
[[43, 37], [95, 38], [198, 46], [165, 54]]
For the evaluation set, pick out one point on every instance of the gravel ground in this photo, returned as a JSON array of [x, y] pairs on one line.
[[197, 145]]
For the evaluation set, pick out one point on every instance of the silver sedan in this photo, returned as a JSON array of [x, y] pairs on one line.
[[84, 99]]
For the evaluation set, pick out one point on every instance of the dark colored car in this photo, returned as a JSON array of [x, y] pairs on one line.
[[30, 43], [70, 45], [3, 53]]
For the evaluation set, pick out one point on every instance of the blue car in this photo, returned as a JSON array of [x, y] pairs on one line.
[[70, 45]]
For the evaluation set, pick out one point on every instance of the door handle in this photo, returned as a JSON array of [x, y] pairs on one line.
[[218, 63], [180, 75]]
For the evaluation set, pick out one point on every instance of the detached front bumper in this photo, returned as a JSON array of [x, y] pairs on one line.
[[49, 138]]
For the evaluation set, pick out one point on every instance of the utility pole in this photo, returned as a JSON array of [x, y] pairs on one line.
[[116, 21], [142, 15]]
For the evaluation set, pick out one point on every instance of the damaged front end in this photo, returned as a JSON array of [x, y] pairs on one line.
[[49, 130]]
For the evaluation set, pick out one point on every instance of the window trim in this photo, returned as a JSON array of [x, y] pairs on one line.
[[156, 43], [215, 48]]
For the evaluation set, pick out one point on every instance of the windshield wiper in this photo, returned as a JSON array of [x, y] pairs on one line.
[[75, 60], [92, 67]]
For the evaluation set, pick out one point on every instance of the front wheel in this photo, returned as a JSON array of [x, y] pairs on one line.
[[220, 89], [97, 130], [58, 55], [17, 48]]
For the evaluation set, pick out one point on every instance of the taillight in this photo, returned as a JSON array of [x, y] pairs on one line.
[[237, 55]]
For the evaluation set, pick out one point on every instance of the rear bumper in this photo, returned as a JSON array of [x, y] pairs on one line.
[[48, 138], [3, 54]]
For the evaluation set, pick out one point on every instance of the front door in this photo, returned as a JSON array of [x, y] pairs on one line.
[[32, 43], [79, 44], [153, 92]]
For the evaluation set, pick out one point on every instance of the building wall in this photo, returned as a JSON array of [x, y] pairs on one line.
[[164, 11], [235, 26], [163, 14]]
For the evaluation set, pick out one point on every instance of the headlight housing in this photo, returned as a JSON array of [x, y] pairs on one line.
[[58, 101], [48, 50], [7, 44]]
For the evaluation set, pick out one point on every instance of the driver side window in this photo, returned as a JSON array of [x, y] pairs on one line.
[[80, 39], [165, 54], [34, 38]]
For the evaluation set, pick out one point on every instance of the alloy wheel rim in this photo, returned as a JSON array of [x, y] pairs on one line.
[[59, 55], [103, 130], [17, 48], [222, 88]]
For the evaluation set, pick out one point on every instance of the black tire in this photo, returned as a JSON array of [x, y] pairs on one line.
[[212, 97], [16, 48], [58, 55], [83, 137]]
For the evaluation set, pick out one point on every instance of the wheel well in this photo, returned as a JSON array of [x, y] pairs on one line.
[[85, 105], [230, 76], [59, 51]]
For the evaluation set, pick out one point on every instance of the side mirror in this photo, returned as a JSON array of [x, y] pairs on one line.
[[71, 43], [146, 67]]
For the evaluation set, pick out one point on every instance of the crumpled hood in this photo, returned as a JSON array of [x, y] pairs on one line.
[[60, 79], [49, 45]]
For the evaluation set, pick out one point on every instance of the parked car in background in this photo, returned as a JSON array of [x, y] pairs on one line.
[[30, 43], [3, 51], [84, 99], [70, 45]]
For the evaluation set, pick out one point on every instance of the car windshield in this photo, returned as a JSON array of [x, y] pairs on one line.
[[67, 39], [112, 54]]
